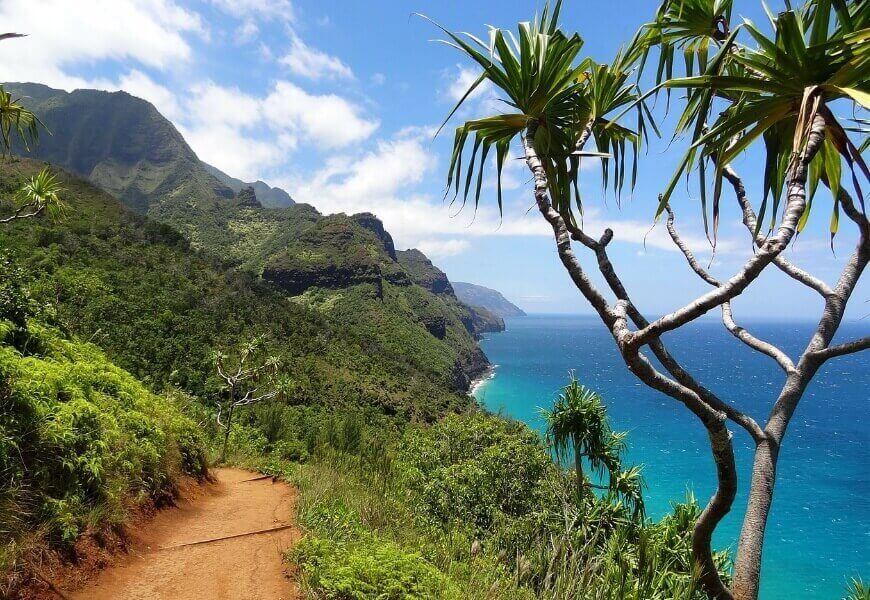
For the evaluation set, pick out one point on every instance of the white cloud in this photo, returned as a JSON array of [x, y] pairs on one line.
[[327, 120], [268, 9], [443, 248], [233, 151], [379, 79], [246, 32], [462, 79], [63, 34], [214, 104], [305, 61], [249, 136]]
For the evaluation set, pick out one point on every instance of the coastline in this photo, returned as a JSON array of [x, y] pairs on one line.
[[479, 382]]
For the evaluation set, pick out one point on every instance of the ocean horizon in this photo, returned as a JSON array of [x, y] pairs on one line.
[[819, 530]]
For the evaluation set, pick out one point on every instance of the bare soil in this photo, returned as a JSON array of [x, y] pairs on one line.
[[224, 541]]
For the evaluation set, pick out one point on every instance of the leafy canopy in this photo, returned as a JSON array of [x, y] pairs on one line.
[[741, 85], [566, 100]]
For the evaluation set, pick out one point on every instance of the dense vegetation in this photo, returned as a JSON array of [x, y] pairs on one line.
[[472, 507], [81, 440], [160, 309], [112, 324]]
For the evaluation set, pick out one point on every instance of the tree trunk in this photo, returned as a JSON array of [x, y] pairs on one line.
[[578, 469], [713, 420], [227, 432], [747, 566]]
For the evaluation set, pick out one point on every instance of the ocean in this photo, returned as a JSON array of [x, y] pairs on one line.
[[818, 535]]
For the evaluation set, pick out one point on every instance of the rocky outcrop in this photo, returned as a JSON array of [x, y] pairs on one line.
[[424, 273], [247, 198], [336, 253], [484, 321], [436, 325], [376, 226]]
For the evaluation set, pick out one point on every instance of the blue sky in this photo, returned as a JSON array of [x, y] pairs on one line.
[[336, 101]]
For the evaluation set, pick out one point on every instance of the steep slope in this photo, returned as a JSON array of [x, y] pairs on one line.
[[122, 144], [295, 248], [159, 309], [477, 320], [492, 300], [270, 197]]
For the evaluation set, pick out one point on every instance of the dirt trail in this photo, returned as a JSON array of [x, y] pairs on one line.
[[247, 567]]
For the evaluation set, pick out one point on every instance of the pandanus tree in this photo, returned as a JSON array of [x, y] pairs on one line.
[[40, 194], [578, 429], [743, 88]]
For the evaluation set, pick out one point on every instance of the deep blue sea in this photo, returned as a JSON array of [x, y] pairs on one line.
[[819, 531]]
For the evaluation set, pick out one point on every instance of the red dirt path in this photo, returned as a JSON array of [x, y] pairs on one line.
[[248, 567]]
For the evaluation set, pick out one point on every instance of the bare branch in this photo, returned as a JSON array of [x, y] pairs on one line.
[[690, 256], [843, 349], [657, 346], [20, 212], [853, 213], [750, 221], [768, 251], [727, 317], [753, 342]]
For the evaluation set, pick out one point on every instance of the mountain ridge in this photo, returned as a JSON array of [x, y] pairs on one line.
[[492, 300]]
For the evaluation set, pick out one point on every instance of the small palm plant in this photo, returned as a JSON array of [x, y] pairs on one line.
[[41, 193], [16, 119], [578, 428]]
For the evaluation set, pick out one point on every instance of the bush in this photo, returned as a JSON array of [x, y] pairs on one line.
[[341, 560], [81, 439], [476, 469]]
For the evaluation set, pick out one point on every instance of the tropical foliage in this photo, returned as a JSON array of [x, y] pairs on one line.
[[816, 55], [578, 429], [81, 440]]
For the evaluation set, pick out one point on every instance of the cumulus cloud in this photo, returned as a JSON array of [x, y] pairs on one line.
[[65, 34], [305, 61], [326, 120]]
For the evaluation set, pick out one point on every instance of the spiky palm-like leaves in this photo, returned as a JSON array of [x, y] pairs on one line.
[[578, 428], [41, 193], [542, 78], [772, 91], [16, 120]]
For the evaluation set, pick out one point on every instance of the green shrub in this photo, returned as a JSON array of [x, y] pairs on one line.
[[81, 439], [475, 469], [341, 560]]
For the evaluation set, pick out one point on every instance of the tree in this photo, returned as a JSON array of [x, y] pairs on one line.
[[578, 427], [16, 119], [248, 377], [40, 194], [780, 91]]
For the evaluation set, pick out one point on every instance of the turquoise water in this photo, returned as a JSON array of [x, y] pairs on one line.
[[819, 531]]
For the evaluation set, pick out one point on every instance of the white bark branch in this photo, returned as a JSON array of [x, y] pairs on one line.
[[727, 316]]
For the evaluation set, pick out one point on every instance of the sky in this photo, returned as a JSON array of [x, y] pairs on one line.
[[338, 101]]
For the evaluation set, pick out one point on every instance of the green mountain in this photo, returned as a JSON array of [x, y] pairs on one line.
[[160, 308], [344, 267], [477, 320], [492, 300], [270, 197], [122, 144]]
